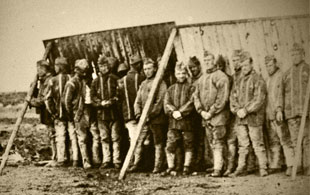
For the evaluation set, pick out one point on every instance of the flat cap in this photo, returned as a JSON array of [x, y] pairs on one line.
[[81, 64], [236, 53], [102, 60], [61, 61], [207, 53], [122, 67], [297, 47], [135, 59], [269, 58], [193, 61], [245, 55]]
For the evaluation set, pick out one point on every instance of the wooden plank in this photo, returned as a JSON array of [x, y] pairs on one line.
[[22, 112], [227, 35], [235, 36], [207, 45], [261, 46], [301, 131], [149, 102], [305, 36], [275, 42], [178, 46], [198, 42]]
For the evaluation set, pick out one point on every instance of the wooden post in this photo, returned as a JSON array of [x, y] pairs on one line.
[[148, 104], [22, 113], [301, 132]]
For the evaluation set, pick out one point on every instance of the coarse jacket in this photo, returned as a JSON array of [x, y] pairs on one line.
[[295, 85], [156, 114], [179, 98], [211, 95], [249, 94]]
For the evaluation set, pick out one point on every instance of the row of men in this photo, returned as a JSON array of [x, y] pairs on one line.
[[228, 110]]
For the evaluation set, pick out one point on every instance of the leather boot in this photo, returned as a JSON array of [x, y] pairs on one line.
[[187, 162], [54, 149], [179, 159], [106, 154], [116, 154], [95, 153], [159, 154], [85, 157], [241, 169], [75, 149], [231, 159]]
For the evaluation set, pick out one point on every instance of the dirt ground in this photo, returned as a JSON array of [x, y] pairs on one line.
[[32, 145]]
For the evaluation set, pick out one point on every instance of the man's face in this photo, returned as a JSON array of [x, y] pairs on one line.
[[209, 62], [149, 70], [194, 69], [137, 66], [236, 63], [41, 71], [104, 68], [296, 57], [271, 67], [180, 75], [246, 67]]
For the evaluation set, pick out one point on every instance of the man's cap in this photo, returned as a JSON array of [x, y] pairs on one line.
[[45, 65], [245, 55], [81, 64], [122, 67], [61, 61], [135, 59], [236, 53], [193, 61], [207, 53], [103, 60], [297, 47], [270, 57]]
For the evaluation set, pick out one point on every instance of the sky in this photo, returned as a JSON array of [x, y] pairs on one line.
[[25, 23]]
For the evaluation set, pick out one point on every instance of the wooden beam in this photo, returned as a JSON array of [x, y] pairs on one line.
[[22, 113], [149, 102], [301, 132]]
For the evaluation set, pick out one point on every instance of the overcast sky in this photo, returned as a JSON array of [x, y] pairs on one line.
[[25, 23]]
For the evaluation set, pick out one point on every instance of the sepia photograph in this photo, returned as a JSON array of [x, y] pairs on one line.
[[155, 97]]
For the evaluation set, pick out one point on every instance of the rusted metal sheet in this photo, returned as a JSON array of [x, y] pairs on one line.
[[148, 41], [260, 37]]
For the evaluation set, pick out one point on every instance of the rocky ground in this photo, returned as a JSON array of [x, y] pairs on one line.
[[22, 175]]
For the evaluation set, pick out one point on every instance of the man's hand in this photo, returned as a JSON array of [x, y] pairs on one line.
[[279, 116], [241, 113], [105, 103], [177, 115], [205, 115]]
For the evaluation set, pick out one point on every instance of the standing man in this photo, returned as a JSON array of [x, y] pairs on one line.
[[54, 105], [210, 98], [295, 85], [278, 134], [75, 94], [247, 102], [178, 105], [44, 71], [156, 117], [202, 145], [128, 93], [104, 97]]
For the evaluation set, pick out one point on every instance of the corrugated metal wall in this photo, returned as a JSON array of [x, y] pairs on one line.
[[148, 41], [258, 36]]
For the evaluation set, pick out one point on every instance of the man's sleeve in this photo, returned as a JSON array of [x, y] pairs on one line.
[[222, 85], [138, 103], [159, 99], [188, 107], [49, 99], [259, 96], [233, 99], [169, 108], [96, 101]]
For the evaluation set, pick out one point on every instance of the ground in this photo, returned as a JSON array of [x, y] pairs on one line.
[[31, 146]]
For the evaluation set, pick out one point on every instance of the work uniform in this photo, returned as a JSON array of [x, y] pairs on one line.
[[104, 88], [128, 93], [278, 134], [295, 85], [75, 94], [180, 132], [155, 120], [54, 104], [250, 94], [45, 116], [211, 95]]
